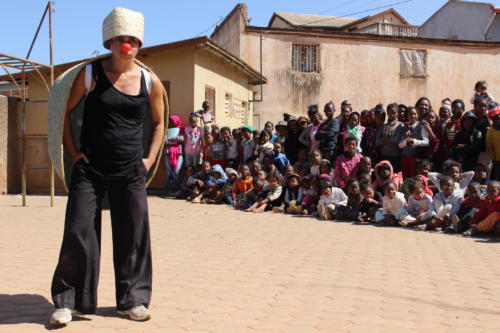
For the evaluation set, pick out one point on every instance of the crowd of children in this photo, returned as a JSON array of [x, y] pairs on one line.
[[397, 166]]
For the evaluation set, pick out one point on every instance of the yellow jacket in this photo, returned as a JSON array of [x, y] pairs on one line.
[[493, 144]]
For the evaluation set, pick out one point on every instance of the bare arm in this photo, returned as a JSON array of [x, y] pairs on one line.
[[75, 96], [157, 120]]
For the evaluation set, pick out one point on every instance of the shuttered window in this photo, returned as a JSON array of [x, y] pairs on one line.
[[305, 58]]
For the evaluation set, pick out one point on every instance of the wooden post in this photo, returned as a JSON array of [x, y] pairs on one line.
[[51, 83]]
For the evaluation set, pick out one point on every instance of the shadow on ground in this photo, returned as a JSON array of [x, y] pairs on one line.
[[27, 309]]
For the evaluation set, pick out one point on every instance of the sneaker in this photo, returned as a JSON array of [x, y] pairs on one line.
[[139, 313], [61, 316]]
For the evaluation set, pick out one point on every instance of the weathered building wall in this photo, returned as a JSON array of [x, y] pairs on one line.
[[228, 33], [177, 67], [458, 20], [364, 71], [210, 71]]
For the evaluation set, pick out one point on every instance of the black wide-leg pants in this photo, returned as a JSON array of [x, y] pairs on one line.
[[76, 277]]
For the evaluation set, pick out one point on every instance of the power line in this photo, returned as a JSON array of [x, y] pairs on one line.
[[210, 27], [360, 12], [336, 7]]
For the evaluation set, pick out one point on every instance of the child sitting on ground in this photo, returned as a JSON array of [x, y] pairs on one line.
[[474, 200], [347, 164], [453, 169], [201, 179], [392, 202], [251, 196], [354, 199], [309, 195], [446, 204], [186, 183], [487, 219], [273, 197], [420, 207], [331, 199], [242, 184], [213, 193], [292, 198], [372, 201], [423, 168], [383, 173], [232, 175]]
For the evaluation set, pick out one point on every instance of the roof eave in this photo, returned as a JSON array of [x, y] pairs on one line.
[[360, 36]]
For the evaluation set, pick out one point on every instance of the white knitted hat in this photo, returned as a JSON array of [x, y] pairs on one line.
[[122, 22]]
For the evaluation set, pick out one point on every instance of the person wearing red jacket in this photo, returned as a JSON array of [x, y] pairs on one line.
[[488, 216]]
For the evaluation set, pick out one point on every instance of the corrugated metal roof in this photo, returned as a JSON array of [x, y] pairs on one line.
[[309, 20]]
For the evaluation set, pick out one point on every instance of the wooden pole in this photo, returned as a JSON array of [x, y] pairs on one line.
[[51, 83], [23, 129]]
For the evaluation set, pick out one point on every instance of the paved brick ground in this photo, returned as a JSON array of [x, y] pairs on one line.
[[218, 270]]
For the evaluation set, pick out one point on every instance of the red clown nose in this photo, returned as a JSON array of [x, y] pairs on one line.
[[126, 47]]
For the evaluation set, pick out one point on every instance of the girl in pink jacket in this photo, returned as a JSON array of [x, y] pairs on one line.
[[347, 164]]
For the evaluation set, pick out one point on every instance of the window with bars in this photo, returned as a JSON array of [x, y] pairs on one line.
[[413, 63], [305, 58]]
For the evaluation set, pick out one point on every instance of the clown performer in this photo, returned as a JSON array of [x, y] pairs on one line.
[[116, 155]]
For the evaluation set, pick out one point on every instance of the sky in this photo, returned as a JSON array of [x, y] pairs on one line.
[[77, 24]]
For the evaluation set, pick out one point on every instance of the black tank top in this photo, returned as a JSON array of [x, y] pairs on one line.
[[112, 132]]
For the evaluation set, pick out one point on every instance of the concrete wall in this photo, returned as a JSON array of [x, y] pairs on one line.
[[458, 20], [366, 72], [228, 35], [176, 66], [210, 70]]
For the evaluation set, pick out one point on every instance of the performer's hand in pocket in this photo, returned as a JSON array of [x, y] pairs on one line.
[[78, 156]]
